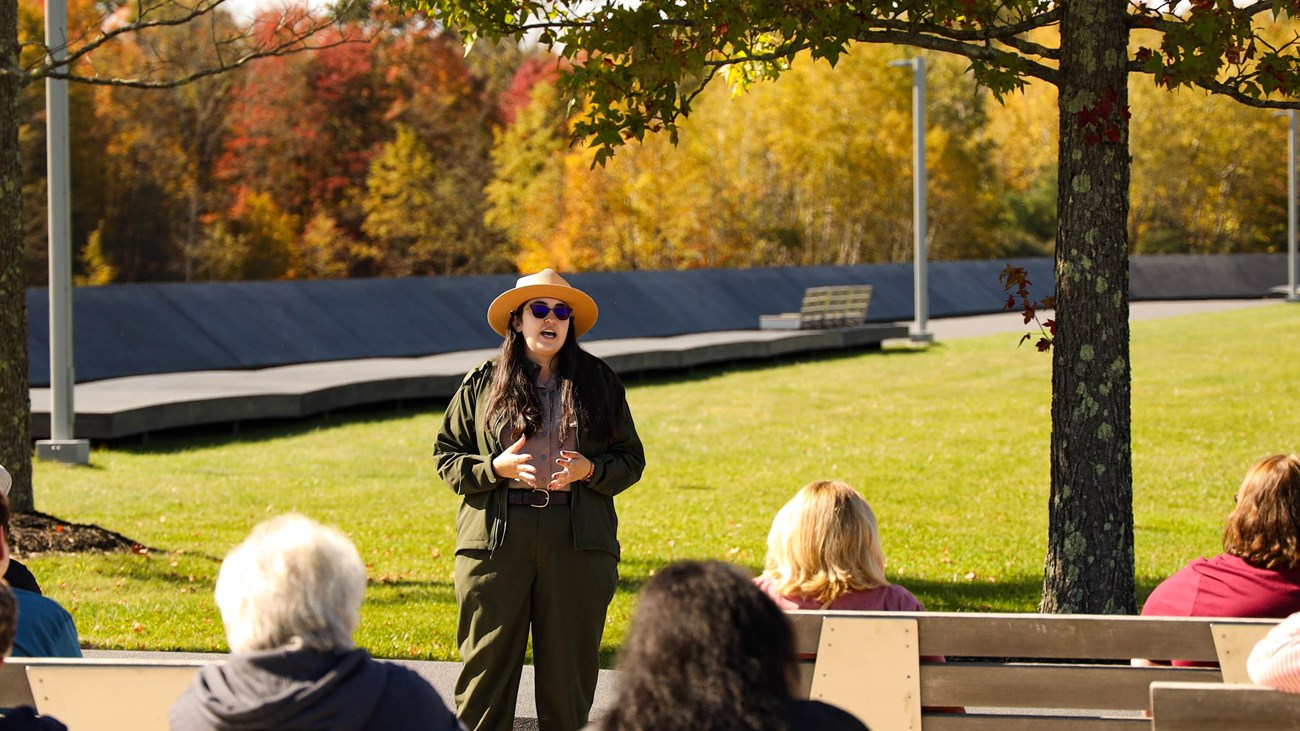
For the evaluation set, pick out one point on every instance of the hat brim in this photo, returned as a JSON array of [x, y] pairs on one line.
[[584, 307]]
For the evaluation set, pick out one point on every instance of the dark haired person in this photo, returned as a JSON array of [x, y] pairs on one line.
[[537, 441], [709, 650]]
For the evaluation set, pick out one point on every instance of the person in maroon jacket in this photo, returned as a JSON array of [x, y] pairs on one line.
[[1258, 573]]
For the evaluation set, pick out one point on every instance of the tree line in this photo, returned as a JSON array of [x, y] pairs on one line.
[[405, 155]]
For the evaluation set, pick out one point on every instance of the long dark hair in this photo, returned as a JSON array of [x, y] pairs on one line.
[[707, 650], [584, 391]]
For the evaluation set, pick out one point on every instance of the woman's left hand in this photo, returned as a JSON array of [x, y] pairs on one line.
[[576, 468]]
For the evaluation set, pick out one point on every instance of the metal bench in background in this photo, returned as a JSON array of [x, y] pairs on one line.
[[824, 307]]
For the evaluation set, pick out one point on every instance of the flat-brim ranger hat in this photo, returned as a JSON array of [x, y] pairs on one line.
[[545, 283]]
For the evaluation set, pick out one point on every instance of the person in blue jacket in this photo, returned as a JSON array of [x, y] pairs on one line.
[[45, 629]]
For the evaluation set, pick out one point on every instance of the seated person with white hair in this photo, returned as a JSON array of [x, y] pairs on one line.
[[290, 597]]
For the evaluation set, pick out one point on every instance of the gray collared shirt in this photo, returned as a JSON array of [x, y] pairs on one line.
[[545, 444]]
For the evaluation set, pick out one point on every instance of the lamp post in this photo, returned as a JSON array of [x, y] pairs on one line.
[[921, 291], [61, 446], [1291, 295]]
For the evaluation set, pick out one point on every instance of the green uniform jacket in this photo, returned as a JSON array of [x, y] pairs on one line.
[[464, 453]]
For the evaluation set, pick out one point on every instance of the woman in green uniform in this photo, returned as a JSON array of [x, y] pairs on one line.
[[537, 441]]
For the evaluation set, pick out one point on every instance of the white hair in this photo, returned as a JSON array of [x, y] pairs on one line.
[[292, 581]]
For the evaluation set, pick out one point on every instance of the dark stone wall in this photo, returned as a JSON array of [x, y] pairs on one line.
[[135, 329]]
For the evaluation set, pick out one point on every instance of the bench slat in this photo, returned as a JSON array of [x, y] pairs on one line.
[[1056, 636], [1206, 707], [972, 722], [1111, 687]]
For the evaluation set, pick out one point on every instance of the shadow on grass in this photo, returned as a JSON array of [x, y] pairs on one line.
[[401, 592], [218, 435], [1018, 595]]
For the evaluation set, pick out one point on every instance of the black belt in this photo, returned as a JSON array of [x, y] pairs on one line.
[[538, 498]]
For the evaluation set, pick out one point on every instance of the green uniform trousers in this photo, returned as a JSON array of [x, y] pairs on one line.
[[536, 579]]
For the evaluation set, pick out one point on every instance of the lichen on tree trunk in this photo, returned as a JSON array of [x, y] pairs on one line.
[[15, 406], [1089, 567]]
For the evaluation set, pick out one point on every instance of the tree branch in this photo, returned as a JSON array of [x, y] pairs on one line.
[[196, 11], [283, 50], [294, 43], [1218, 87], [985, 53]]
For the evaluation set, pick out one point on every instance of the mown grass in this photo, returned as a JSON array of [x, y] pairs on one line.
[[949, 445]]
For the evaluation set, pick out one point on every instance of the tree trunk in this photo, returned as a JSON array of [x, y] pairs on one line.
[[15, 406], [1090, 535]]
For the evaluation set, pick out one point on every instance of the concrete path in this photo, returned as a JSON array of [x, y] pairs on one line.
[[122, 407]]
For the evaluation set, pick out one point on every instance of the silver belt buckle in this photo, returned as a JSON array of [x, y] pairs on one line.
[[547, 493]]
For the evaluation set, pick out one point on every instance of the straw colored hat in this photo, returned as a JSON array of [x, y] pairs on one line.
[[545, 283], [5, 481]]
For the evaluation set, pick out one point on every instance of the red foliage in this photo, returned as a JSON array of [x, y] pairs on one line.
[[1014, 277], [303, 127], [1103, 120], [533, 71]]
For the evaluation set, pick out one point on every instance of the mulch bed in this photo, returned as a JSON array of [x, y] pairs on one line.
[[32, 533]]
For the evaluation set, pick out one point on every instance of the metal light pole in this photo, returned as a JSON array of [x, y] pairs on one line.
[[61, 446], [921, 290], [1291, 295]]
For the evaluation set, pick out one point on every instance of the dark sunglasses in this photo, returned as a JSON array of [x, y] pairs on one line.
[[540, 311]]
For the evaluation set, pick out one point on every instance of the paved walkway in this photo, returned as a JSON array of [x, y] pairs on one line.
[[123, 407]]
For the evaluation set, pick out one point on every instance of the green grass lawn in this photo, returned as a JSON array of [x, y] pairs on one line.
[[949, 444]]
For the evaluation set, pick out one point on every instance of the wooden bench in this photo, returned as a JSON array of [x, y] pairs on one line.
[[1218, 706], [824, 307], [90, 694], [1010, 672]]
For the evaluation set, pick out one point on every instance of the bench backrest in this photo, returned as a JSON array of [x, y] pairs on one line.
[[1009, 671], [838, 306], [108, 695], [1217, 706]]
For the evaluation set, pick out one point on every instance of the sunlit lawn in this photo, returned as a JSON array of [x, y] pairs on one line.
[[949, 445]]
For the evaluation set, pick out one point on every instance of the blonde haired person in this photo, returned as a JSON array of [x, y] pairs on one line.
[[823, 552]]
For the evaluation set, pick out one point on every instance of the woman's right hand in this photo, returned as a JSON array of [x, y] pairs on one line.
[[512, 465]]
